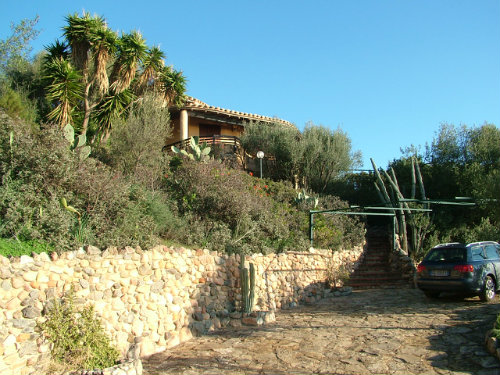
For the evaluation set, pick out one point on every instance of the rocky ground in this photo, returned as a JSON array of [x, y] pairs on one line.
[[391, 331]]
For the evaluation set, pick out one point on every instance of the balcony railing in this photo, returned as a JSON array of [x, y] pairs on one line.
[[212, 140]]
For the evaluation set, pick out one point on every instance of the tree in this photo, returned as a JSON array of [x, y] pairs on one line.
[[460, 162], [278, 142], [17, 45], [326, 154], [113, 72], [313, 158], [135, 146]]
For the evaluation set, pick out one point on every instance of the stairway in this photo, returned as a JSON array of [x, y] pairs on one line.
[[374, 270]]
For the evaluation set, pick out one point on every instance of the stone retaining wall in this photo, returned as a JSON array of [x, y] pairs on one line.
[[148, 301], [399, 261]]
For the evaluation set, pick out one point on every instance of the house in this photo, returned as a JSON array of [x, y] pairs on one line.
[[211, 124]]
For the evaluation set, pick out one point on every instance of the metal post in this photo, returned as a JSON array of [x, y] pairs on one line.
[[260, 156], [311, 227], [394, 232]]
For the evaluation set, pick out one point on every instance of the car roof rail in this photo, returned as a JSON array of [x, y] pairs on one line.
[[448, 244], [482, 243]]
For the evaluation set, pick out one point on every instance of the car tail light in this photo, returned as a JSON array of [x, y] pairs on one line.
[[463, 268], [420, 268]]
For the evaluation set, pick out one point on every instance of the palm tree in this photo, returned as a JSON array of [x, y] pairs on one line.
[[151, 68], [90, 52], [173, 86], [131, 51], [104, 44], [65, 89]]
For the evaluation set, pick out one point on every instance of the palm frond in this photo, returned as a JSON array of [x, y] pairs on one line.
[[131, 51], [110, 109], [152, 65], [173, 85], [64, 90]]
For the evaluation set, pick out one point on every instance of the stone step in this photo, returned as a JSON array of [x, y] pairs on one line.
[[374, 264], [370, 271], [379, 258], [375, 278], [398, 285]]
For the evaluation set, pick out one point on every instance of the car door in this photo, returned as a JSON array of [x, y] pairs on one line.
[[493, 260]]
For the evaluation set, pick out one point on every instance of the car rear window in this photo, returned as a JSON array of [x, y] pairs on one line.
[[449, 254]]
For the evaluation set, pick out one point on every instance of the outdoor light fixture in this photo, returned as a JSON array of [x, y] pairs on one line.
[[260, 155]]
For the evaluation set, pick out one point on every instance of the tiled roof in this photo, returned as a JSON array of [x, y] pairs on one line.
[[193, 104]]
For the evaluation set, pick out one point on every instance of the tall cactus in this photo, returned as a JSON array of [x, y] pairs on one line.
[[251, 294], [247, 285]]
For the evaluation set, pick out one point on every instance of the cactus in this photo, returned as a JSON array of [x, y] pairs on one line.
[[200, 152], [247, 285], [302, 197], [77, 143], [251, 292]]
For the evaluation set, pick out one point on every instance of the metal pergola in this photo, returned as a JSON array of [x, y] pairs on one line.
[[457, 201]]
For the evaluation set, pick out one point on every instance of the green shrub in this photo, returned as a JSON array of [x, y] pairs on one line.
[[39, 169], [135, 145], [228, 210], [15, 248], [78, 340]]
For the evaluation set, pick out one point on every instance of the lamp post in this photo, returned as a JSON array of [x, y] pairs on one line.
[[260, 155]]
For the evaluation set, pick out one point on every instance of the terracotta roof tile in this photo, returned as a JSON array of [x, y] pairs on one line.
[[196, 104]]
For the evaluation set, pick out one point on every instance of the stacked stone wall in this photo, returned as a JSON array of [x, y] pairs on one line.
[[148, 301]]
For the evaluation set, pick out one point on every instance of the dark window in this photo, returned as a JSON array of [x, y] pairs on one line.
[[450, 254], [209, 130]]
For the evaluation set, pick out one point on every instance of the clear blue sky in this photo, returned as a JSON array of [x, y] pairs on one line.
[[386, 72]]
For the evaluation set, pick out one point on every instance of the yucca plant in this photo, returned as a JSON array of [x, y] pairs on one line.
[[111, 72], [64, 89], [173, 86], [152, 66], [131, 51]]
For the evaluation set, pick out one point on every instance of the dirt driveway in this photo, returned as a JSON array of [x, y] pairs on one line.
[[387, 331]]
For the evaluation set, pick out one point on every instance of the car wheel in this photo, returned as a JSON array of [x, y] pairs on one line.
[[430, 294], [488, 292]]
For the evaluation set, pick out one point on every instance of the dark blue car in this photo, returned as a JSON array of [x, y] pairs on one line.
[[471, 270]]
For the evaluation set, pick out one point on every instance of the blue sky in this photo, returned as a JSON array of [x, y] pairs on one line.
[[388, 73]]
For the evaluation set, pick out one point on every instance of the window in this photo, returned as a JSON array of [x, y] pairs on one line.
[[491, 252], [477, 253], [450, 254]]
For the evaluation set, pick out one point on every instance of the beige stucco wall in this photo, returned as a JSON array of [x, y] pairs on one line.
[[194, 128]]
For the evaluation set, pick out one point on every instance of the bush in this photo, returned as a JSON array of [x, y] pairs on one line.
[[77, 338], [228, 210], [16, 248], [135, 145], [39, 169]]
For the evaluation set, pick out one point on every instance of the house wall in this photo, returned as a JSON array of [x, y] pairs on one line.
[[194, 128]]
